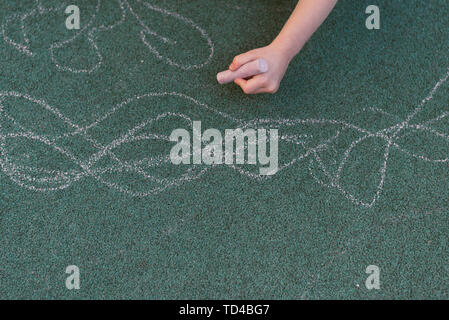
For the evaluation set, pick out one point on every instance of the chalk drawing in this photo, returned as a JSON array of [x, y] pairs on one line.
[[90, 30], [40, 179]]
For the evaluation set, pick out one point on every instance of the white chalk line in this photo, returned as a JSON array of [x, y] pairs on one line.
[[62, 179], [90, 31], [187, 21], [391, 141], [103, 149]]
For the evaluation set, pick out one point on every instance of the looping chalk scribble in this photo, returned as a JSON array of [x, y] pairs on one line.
[[41, 179], [104, 163], [89, 30]]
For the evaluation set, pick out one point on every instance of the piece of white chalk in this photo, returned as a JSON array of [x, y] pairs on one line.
[[247, 70]]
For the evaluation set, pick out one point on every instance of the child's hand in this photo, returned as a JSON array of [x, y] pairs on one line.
[[305, 19], [268, 82]]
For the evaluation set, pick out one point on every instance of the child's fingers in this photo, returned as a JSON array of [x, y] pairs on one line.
[[243, 58], [262, 90], [240, 82], [252, 86]]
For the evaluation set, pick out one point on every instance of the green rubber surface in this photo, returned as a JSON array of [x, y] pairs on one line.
[[83, 179]]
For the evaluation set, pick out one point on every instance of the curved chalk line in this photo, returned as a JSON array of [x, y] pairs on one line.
[[35, 178], [390, 135], [24, 175], [90, 31]]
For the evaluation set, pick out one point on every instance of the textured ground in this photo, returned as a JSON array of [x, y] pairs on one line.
[[83, 181]]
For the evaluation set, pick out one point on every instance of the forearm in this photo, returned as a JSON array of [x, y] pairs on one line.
[[302, 24]]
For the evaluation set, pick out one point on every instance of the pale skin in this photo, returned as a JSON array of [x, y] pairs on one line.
[[302, 24]]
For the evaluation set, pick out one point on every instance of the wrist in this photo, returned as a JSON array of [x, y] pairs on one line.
[[288, 47]]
